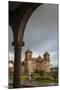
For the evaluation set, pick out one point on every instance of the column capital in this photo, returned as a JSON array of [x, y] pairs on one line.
[[18, 44]]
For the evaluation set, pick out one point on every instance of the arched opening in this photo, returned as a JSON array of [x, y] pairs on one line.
[[41, 35], [11, 55], [41, 32], [11, 48]]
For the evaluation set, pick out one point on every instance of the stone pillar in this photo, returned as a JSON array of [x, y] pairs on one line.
[[17, 64]]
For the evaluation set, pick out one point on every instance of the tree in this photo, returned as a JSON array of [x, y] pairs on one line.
[[36, 71]]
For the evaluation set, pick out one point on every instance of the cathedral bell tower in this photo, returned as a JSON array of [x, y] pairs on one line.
[[46, 56], [28, 63], [28, 55]]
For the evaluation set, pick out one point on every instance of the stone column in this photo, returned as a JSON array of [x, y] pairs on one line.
[[17, 64]]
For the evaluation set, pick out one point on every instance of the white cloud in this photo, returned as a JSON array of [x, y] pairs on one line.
[[11, 56], [54, 58]]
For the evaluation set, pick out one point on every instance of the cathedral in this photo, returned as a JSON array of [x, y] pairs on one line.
[[29, 65]]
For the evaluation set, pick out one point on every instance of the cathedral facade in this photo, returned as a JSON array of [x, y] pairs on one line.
[[31, 64]]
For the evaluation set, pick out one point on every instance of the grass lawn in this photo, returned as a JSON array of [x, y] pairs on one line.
[[47, 80], [24, 77], [38, 79]]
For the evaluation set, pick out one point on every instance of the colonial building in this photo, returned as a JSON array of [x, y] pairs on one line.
[[31, 64]]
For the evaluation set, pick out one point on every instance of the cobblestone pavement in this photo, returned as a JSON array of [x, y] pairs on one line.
[[31, 83]]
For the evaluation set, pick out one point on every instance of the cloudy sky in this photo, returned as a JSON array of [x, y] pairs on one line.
[[41, 33]]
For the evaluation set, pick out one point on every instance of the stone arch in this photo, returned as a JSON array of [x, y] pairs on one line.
[[24, 21], [19, 13]]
